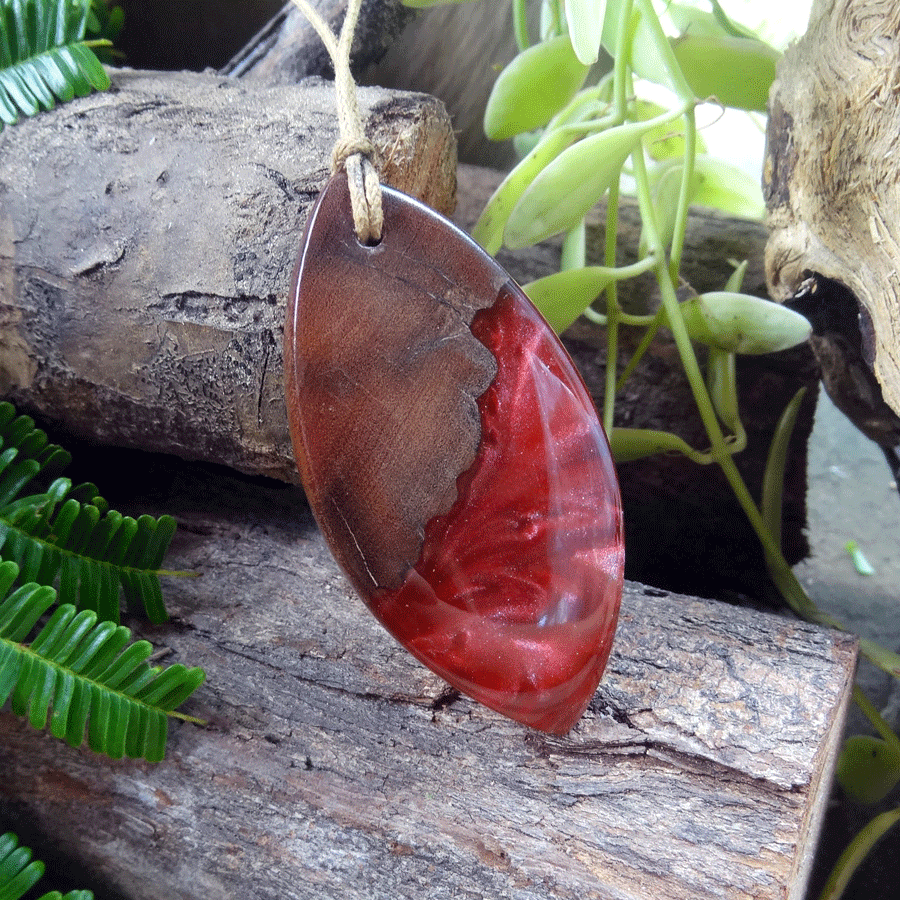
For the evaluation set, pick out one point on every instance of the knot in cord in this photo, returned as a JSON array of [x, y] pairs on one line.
[[347, 147], [353, 151], [355, 155]]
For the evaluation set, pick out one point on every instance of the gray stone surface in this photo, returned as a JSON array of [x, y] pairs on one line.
[[852, 496]]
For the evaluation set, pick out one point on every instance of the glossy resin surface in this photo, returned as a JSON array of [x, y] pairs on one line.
[[454, 460]]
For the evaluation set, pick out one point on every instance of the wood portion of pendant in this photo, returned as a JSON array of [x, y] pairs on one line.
[[453, 459], [382, 378]]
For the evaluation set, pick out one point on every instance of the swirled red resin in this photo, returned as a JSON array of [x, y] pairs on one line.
[[515, 597], [453, 459]]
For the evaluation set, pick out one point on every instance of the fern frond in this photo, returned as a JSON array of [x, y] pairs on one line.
[[69, 533], [20, 433], [85, 677], [19, 873], [44, 57]]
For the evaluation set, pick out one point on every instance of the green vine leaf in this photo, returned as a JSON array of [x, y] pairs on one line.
[[19, 873], [84, 677], [67, 532], [44, 57]]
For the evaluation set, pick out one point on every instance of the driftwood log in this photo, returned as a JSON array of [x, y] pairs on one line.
[[831, 184], [334, 766], [143, 304], [287, 49]]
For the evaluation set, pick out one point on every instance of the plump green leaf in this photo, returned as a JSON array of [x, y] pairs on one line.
[[739, 323], [735, 29], [737, 71], [585, 18], [721, 382], [536, 85], [563, 192], [868, 768], [691, 20], [489, 229], [630, 444], [724, 186], [564, 296]]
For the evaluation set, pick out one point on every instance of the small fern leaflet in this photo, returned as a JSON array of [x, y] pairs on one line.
[[19, 873], [44, 57], [85, 677], [69, 533]]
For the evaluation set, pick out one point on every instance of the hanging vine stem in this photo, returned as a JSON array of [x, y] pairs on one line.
[[353, 152]]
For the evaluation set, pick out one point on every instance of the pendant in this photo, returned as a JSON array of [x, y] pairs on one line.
[[453, 459]]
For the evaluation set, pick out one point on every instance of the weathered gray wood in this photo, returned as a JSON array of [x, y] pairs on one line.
[[336, 766], [147, 240], [831, 178]]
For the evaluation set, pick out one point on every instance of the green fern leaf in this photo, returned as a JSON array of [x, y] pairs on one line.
[[19, 433], [68, 533], [44, 57], [19, 873], [83, 677]]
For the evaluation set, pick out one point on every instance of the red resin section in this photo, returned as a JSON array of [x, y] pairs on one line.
[[515, 597]]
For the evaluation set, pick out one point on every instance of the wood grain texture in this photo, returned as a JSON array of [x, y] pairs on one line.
[[147, 239], [336, 766], [831, 174], [382, 376]]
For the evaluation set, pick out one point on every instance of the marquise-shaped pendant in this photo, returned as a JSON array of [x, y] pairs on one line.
[[453, 459]]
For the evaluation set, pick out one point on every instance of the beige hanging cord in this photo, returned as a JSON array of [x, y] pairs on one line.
[[353, 151]]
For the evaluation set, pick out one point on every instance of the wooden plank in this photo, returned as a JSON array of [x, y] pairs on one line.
[[336, 766]]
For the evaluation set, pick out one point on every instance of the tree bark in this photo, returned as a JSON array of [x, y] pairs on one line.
[[335, 766], [287, 49], [147, 239], [831, 181]]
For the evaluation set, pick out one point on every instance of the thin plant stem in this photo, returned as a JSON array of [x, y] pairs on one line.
[[643, 346], [520, 24], [622, 60], [612, 308], [872, 714], [574, 248], [684, 195], [856, 851], [664, 49]]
